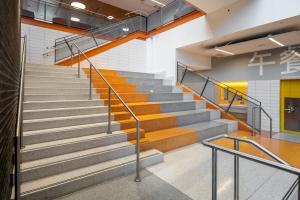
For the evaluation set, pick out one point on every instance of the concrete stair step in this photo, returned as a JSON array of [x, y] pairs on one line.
[[71, 181], [48, 78], [36, 169], [138, 108], [53, 97], [57, 122], [32, 105], [69, 145], [173, 119], [46, 135], [55, 73], [53, 68], [63, 112], [49, 84], [172, 138]]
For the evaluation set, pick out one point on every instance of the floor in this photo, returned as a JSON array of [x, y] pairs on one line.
[[288, 137], [186, 174]]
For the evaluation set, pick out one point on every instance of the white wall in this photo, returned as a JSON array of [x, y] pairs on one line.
[[38, 39], [193, 60], [244, 14], [130, 56], [268, 92]]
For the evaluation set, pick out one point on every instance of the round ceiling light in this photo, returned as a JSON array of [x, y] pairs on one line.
[[110, 17], [75, 19], [125, 29], [78, 5]]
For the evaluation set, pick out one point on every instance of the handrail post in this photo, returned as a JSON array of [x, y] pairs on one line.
[[299, 187], [109, 111], [78, 63], [206, 82], [260, 117], [214, 174], [17, 177], [271, 130], [231, 101], [253, 120], [71, 56], [137, 178], [236, 171], [90, 90]]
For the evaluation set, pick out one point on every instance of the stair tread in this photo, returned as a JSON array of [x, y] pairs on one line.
[[181, 130], [66, 128], [64, 109], [49, 181], [69, 141], [69, 156]]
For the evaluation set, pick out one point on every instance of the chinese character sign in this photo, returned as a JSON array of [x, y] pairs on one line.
[[258, 61], [291, 58]]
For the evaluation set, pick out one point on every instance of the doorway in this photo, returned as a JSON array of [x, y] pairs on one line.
[[290, 106]]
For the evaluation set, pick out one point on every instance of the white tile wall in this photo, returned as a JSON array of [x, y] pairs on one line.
[[130, 56], [268, 92], [38, 40]]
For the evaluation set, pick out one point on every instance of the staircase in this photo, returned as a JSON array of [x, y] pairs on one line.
[[66, 144]]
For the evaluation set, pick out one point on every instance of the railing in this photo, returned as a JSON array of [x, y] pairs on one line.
[[280, 164], [96, 37], [110, 91], [18, 139], [243, 107]]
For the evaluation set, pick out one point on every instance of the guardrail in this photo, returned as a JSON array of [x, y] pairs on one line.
[[279, 164]]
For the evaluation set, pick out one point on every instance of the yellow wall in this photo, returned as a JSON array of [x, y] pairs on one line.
[[288, 88], [241, 86]]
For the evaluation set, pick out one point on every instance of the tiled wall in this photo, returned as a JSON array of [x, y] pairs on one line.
[[268, 92], [38, 40], [130, 56]]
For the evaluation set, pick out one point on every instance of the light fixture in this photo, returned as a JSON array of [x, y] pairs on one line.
[[223, 51], [275, 41], [78, 5], [159, 3], [125, 29], [110, 17], [75, 19]]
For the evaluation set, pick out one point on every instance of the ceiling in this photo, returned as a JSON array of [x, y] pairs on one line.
[[143, 7], [100, 8], [286, 31], [209, 6]]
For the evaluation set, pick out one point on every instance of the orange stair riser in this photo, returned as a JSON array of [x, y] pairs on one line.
[[140, 109], [152, 124]]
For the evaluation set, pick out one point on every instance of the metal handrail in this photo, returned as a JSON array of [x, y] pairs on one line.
[[217, 82], [18, 139], [258, 104], [111, 89], [280, 164], [292, 189], [266, 151]]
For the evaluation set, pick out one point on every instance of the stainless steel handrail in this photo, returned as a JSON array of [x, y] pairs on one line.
[[280, 164], [258, 104], [18, 139], [289, 193], [111, 89]]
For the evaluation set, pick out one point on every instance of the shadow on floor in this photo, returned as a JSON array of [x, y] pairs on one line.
[[125, 188]]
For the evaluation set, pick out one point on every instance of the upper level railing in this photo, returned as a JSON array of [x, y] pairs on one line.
[[278, 164], [99, 36], [243, 107]]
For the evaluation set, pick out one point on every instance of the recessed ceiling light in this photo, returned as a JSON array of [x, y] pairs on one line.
[[110, 17], [223, 51], [159, 3], [275, 41], [125, 29], [78, 5], [75, 19]]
